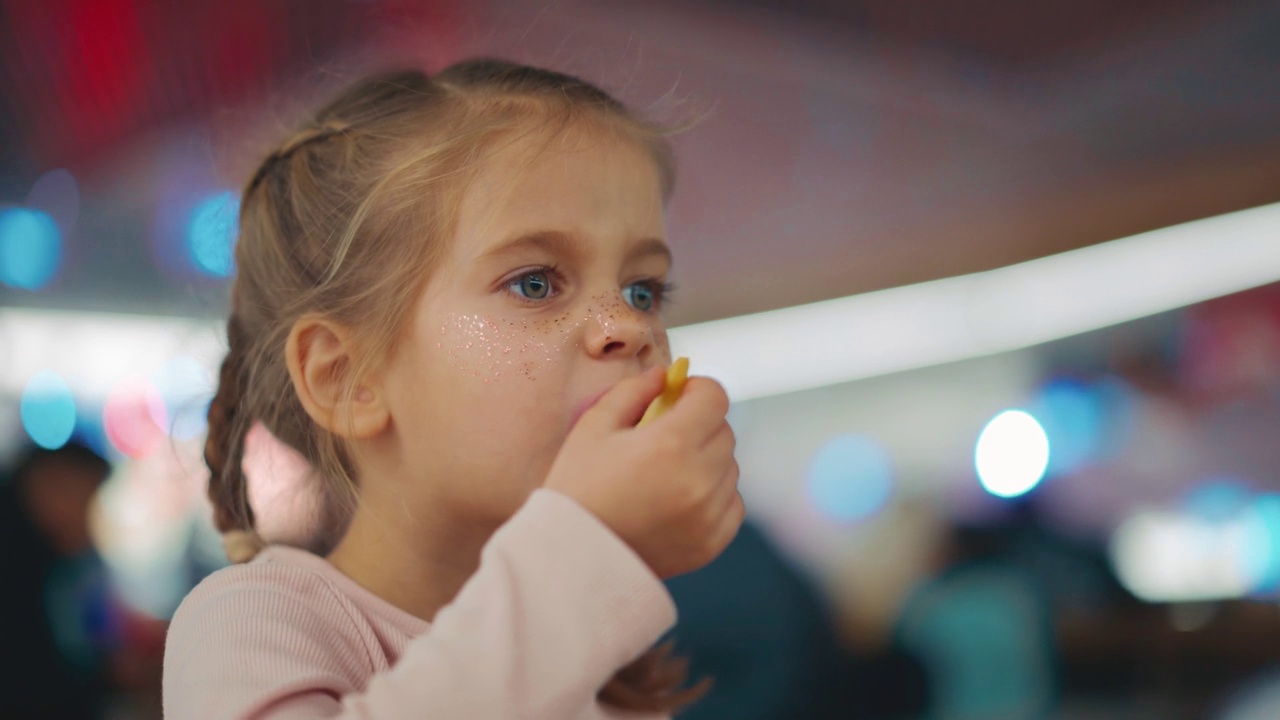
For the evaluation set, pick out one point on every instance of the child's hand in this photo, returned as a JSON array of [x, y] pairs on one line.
[[669, 489]]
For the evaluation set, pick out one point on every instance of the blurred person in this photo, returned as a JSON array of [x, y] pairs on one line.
[[983, 630], [59, 624], [448, 300], [756, 624]]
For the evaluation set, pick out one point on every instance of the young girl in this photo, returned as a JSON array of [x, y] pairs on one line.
[[448, 301]]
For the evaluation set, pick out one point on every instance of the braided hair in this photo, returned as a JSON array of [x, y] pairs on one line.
[[322, 223]]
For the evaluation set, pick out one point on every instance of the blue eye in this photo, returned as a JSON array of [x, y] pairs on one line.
[[533, 285], [645, 296]]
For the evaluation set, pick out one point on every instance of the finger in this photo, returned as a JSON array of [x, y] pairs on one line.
[[730, 523], [700, 409], [626, 402], [721, 441], [727, 488]]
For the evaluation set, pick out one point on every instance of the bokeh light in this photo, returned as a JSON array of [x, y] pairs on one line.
[[142, 524], [30, 248], [1087, 422], [211, 233], [184, 179], [1219, 500], [186, 387], [134, 418], [89, 429], [1119, 403], [1072, 415], [48, 410], [1162, 556], [1260, 546], [1012, 454], [850, 478]]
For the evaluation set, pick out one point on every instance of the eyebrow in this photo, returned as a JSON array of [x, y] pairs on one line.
[[558, 242]]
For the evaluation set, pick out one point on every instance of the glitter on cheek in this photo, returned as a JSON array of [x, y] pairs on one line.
[[480, 347]]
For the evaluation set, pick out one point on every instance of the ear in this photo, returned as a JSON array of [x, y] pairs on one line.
[[321, 358]]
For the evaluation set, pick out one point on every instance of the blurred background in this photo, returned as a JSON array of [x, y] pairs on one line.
[[994, 285]]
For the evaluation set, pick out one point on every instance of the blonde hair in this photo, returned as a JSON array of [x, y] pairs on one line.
[[347, 219]]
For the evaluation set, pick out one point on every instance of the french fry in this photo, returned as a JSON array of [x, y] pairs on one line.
[[677, 374]]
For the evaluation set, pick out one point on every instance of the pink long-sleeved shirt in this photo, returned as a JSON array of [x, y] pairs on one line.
[[558, 604]]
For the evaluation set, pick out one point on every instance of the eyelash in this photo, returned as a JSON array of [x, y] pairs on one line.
[[662, 291]]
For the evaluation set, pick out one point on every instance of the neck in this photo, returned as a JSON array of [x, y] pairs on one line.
[[416, 560]]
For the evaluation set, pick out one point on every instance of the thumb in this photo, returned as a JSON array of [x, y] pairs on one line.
[[625, 403]]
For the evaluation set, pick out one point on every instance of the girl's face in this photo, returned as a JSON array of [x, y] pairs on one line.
[[549, 294]]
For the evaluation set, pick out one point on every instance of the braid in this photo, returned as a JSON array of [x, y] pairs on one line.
[[224, 453], [305, 138], [322, 229]]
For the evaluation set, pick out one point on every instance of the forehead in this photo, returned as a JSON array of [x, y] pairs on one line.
[[596, 182]]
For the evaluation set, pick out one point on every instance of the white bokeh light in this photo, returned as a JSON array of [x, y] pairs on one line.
[[1012, 454]]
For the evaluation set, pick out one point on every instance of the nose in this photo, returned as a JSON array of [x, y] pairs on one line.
[[615, 329]]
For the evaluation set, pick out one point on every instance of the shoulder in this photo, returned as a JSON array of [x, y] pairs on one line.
[[275, 586], [246, 618], [266, 585]]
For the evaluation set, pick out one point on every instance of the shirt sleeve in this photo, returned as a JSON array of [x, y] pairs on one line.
[[558, 604]]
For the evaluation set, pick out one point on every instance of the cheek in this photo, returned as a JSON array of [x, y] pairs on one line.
[[491, 349], [487, 350]]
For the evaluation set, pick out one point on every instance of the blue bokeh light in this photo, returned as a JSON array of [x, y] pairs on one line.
[[1087, 422], [48, 410], [30, 248], [850, 478], [1261, 547], [211, 233], [1073, 417], [89, 430], [1219, 500]]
